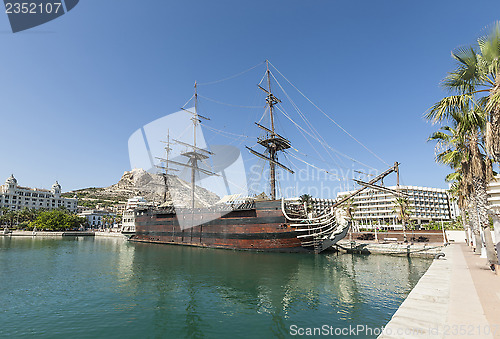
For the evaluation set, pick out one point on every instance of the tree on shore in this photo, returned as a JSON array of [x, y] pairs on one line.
[[460, 199], [108, 220], [403, 213], [19, 218], [471, 115], [118, 219], [57, 220], [306, 199], [452, 150], [350, 208], [463, 153], [478, 75], [4, 210], [3, 215], [10, 218]]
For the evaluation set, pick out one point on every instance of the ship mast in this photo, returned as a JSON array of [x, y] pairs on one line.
[[166, 168], [196, 154], [194, 159], [273, 142]]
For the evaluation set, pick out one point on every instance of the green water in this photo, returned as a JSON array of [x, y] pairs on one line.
[[107, 287]]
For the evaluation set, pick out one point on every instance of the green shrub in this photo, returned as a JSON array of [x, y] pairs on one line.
[[56, 220]]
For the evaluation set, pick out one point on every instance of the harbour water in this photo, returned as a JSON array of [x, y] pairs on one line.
[[106, 287]]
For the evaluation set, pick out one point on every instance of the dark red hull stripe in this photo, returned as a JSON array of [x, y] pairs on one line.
[[291, 249], [197, 234]]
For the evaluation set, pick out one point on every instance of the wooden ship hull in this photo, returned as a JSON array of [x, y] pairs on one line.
[[264, 227]]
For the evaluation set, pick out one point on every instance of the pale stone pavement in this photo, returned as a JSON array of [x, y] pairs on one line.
[[458, 297]]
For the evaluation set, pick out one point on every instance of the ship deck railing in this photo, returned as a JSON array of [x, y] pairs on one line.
[[320, 222], [225, 207], [284, 206], [318, 234]]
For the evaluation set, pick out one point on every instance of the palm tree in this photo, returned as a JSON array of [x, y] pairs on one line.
[[456, 197], [306, 199], [403, 213], [452, 150], [24, 214], [350, 208], [3, 215], [118, 219], [456, 191], [33, 213], [477, 76], [478, 72], [469, 121], [10, 216], [107, 221]]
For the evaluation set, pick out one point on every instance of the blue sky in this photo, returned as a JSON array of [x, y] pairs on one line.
[[74, 90]]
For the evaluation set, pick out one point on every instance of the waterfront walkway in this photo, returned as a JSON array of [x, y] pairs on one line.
[[16, 233], [459, 296]]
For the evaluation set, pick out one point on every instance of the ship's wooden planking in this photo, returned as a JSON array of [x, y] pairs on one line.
[[263, 228]]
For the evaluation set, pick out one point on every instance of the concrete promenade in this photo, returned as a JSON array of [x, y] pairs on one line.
[[110, 234], [63, 234], [459, 296]]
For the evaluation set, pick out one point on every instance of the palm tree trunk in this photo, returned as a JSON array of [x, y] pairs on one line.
[[468, 226], [492, 136], [482, 207], [493, 126], [475, 226], [490, 247], [404, 231], [496, 225], [465, 226]]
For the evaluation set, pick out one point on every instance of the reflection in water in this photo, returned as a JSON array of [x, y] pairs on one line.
[[134, 289]]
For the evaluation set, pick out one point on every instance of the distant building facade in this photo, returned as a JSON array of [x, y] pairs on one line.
[[135, 202], [16, 197], [494, 209], [377, 208], [95, 218], [319, 206], [494, 194]]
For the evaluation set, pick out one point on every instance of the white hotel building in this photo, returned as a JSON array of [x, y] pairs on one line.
[[16, 197], [376, 208]]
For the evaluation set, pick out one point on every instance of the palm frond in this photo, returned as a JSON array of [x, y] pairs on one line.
[[451, 158], [448, 106], [455, 176], [489, 46], [493, 103], [440, 136], [468, 73]]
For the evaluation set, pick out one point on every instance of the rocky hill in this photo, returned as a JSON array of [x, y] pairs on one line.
[[151, 186]]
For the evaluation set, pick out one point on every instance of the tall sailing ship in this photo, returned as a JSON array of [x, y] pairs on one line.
[[258, 223]]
